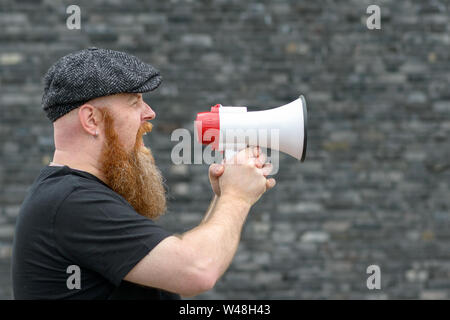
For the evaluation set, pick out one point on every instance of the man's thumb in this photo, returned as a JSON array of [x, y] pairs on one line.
[[216, 169]]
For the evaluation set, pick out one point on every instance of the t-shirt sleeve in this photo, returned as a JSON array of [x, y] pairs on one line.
[[99, 230]]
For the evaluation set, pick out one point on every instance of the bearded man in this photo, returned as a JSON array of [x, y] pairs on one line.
[[86, 229]]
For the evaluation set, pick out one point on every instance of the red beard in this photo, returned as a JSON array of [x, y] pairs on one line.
[[134, 174]]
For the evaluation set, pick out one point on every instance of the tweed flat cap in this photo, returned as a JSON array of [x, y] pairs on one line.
[[87, 74]]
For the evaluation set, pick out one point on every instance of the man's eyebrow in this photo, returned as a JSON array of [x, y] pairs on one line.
[[133, 97]]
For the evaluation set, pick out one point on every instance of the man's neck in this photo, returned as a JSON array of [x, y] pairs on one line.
[[53, 164], [59, 159]]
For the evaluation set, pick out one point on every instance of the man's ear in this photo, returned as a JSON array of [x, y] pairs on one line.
[[90, 118]]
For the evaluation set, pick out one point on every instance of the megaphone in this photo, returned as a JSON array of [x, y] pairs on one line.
[[229, 128]]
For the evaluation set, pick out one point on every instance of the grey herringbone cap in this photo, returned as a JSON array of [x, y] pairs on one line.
[[87, 74]]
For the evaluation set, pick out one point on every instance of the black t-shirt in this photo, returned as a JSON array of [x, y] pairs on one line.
[[76, 238]]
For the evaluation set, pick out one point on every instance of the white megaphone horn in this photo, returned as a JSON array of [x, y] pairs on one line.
[[230, 129]]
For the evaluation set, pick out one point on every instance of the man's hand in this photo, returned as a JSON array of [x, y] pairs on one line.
[[216, 170]]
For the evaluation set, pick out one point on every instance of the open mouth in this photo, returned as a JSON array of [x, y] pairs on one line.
[[143, 131]]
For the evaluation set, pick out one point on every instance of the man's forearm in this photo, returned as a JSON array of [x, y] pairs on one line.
[[216, 239]]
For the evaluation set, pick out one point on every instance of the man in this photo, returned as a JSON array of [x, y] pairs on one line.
[[86, 228]]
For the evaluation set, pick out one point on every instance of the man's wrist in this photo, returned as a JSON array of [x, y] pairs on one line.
[[235, 199], [210, 209]]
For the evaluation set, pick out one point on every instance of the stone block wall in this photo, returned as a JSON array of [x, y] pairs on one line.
[[374, 189]]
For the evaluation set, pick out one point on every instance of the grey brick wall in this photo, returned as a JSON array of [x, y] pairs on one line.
[[375, 186]]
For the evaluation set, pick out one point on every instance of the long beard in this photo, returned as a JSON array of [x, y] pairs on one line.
[[134, 175]]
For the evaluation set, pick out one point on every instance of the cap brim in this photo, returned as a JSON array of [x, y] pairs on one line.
[[149, 85]]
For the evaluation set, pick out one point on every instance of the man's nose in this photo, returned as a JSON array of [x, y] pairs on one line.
[[148, 114]]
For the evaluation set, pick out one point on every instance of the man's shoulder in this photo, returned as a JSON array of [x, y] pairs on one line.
[[90, 202], [87, 191], [59, 185]]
